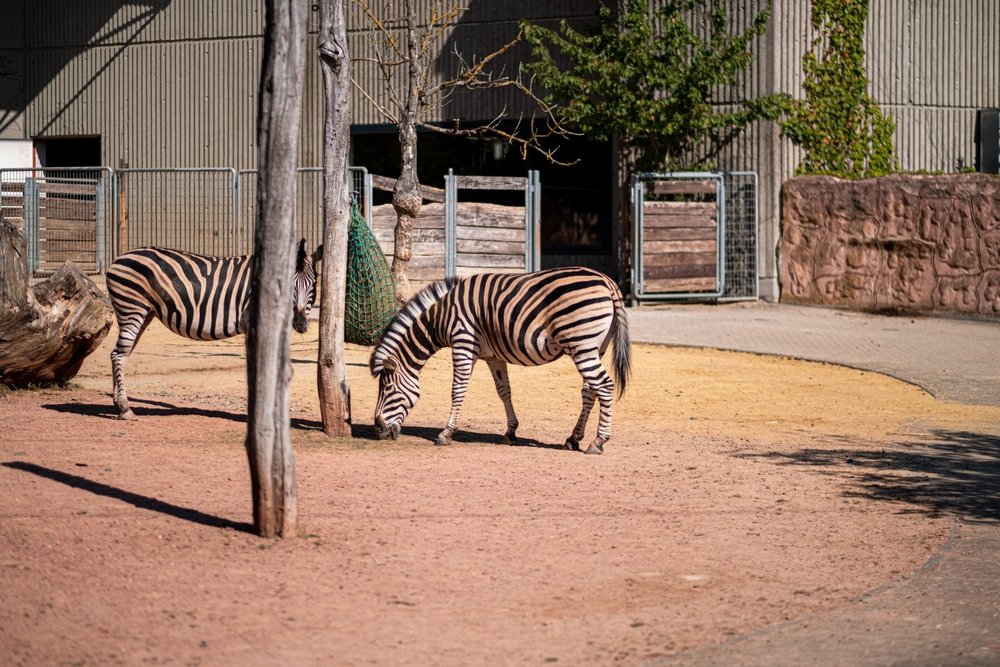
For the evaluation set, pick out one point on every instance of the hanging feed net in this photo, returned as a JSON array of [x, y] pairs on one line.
[[370, 292]]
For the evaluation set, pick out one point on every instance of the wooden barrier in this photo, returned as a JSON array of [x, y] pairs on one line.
[[680, 238], [67, 226]]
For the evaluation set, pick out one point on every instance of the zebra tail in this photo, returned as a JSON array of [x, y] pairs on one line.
[[622, 360]]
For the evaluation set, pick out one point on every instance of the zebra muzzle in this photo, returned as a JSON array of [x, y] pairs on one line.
[[385, 431]]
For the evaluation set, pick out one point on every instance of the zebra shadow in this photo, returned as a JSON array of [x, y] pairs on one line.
[[152, 408], [132, 498], [464, 437]]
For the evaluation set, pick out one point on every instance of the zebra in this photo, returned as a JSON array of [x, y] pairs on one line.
[[528, 319], [195, 296]]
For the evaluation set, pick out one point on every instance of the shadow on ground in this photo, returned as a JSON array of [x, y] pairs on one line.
[[136, 499], [945, 472]]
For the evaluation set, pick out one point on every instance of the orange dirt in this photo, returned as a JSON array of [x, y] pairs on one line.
[[728, 499]]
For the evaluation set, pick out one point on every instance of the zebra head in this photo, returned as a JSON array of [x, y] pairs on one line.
[[398, 391], [304, 286]]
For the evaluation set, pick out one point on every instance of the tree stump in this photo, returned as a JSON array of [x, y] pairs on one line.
[[46, 330]]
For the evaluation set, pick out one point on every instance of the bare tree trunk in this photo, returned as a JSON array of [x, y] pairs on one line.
[[406, 196], [268, 340], [47, 330], [334, 391]]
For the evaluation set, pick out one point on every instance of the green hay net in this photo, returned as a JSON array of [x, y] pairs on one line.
[[371, 293]]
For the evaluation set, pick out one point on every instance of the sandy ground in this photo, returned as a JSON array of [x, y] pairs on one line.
[[737, 492]]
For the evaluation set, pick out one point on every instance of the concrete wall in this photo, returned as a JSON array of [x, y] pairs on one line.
[[900, 243]]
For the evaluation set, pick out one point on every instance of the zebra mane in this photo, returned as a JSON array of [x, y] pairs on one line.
[[400, 325]]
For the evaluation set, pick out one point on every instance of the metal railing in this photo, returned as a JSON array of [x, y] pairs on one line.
[[66, 214]]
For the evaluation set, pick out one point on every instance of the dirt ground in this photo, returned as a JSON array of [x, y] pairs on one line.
[[737, 492]]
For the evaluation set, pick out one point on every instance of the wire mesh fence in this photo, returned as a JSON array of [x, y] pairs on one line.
[[66, 214], [694, 236], [741, 236], [308, 203], [187, 209]]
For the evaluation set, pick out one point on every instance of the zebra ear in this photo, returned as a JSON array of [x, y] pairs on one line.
[[390, 365], [300, 258], [317, 254]]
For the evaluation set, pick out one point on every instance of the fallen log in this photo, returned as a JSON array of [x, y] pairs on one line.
[[48, 329]]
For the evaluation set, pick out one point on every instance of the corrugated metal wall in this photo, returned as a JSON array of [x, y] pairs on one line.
[[172, 83]]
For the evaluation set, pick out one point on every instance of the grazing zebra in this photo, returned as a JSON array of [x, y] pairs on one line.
[[528, 319], [195, 296]]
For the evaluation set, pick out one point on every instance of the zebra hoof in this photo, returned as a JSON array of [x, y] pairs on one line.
[[508, 439], [128, 415], [442, 440], [572, 444], [595, 449]]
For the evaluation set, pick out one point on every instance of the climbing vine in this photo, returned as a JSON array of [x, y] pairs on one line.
[[841, 128]]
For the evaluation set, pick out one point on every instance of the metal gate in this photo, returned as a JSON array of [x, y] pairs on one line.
[[65, 214], [497, 243], [694, 236]]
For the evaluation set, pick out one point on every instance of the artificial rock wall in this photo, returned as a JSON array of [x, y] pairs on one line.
[[898, 243]]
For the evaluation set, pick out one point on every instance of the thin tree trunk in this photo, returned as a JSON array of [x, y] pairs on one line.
[[268, 340], [406, 196], [334, 391]]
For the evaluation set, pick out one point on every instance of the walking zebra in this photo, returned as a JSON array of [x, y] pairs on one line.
[[528, 319], [195, 296]]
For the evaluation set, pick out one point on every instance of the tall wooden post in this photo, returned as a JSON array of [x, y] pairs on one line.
[[268, 340], [334, 392]]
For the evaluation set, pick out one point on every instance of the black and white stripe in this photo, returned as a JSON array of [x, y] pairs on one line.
[[195, 296], [528, 319]]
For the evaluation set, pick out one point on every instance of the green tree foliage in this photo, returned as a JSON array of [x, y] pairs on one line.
[[651, 79], [841, 128]]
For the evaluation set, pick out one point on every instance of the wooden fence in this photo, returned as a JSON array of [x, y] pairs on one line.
[[680, 247]]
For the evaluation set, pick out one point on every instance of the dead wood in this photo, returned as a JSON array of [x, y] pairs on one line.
[[48, 329]]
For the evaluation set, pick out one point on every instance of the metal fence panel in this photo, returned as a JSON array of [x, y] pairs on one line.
[[187, 209], [308, 203], [700, 241], [65, 213], [741, 236]]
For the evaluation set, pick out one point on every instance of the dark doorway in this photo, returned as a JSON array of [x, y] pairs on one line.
[[69, 151]]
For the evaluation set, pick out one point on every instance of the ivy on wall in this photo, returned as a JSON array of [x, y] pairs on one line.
[[841, 128]]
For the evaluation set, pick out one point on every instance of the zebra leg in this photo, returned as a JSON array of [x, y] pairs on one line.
[[462, 361], [588, 397], [129, 332], [601, 385], [498, 369]]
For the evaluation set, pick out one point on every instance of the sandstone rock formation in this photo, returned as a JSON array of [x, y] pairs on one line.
[[903, 243]]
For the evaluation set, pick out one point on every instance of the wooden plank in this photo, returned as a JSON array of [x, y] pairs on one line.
[[47, 187], [676, 221], [680, 258], [422, 235], [679, 207], [67, 209], [681, 187], [465, 219], [426, 273], [678, 234], [491, 233], [389, 184], [489, 261], [678, 271], [666, 285], [490, 247], [56, 224], [464, 272], [656, 247], [78, 235], [61, 256], [490, 182]]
